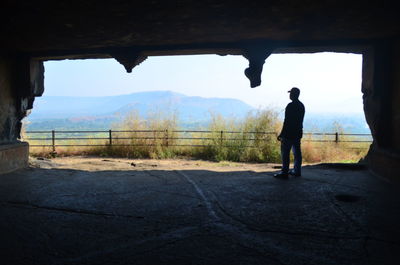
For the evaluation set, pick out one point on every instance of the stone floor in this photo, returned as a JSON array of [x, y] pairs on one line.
[[175, 215]]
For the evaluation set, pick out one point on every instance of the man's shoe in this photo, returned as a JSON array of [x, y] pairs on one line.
[[281, 175], [292, 173]]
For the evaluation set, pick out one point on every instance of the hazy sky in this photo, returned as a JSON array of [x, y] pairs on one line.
[[329, 82]]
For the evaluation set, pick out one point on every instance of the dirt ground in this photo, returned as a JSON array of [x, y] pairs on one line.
[[86, 210], [96, 163]]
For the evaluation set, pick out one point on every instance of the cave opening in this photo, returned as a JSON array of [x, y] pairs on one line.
[[98, 94]]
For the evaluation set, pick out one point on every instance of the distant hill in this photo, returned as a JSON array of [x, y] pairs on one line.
[[143, 102], [81, 111], [84, 113], [325, 122]]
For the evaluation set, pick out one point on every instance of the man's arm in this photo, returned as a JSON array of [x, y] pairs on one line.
[[283, 131]]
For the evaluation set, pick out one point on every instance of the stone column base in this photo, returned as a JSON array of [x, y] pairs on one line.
[[385, 164], [13, 156]]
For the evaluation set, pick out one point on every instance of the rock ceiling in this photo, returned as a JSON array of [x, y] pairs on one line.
[[72, 27]]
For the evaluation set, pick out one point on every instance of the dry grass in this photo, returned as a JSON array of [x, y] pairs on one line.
[[332, 152], [238, 147]]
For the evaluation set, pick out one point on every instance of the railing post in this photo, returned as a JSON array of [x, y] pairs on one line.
[[53, 141], [336, 137], [110, 137], [166, 137]]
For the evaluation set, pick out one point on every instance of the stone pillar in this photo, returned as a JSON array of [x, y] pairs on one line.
[[395, 97], [381, 95], [21, 79]]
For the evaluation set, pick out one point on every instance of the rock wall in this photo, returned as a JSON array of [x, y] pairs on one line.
[[381, 95], [396, 96], [21, 80], [8, 113]]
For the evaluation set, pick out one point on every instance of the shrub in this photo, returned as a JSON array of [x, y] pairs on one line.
[[252, 139]]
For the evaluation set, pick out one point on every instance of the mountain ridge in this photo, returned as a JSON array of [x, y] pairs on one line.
[[58, 112], [54, 107]]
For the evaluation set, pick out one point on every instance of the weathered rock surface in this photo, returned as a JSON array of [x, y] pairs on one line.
[[66, 25], [90, 211]]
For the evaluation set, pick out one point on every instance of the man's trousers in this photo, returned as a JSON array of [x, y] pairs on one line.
[[286, 146]]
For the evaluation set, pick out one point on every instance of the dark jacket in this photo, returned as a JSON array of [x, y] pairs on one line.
[[293, 124]]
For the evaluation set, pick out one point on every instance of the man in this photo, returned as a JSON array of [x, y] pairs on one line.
[[291, 134]]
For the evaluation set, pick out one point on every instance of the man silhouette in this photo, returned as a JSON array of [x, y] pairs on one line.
[[291, 134]]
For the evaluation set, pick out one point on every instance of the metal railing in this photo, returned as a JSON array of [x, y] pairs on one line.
[[176, 138]]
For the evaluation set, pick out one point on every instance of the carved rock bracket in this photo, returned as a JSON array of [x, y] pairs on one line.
[[129, 58], [256, 56]]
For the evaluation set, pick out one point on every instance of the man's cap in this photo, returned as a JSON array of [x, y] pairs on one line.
[[294, 90]]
